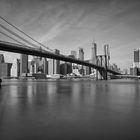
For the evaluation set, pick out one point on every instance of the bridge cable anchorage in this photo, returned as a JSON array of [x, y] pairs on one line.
[[25, 33], [15, 34], [20, 43]]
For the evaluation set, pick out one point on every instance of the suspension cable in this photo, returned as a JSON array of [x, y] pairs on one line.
[[25, 34], [15, 34], [14, 40], [11, 38]]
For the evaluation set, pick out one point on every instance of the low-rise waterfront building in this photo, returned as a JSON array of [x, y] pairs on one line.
[[5, 69]]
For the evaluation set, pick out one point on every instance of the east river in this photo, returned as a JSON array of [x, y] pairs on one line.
[[70, 110]]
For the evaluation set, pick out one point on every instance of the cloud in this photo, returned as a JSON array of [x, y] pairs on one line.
[[54, 31], [66, 24]]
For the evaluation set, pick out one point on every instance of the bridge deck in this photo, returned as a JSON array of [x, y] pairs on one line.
[[16, 48]]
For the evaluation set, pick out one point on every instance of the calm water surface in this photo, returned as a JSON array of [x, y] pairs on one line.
[[66, 109]]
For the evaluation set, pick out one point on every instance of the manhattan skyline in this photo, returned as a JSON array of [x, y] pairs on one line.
[[69, 24]]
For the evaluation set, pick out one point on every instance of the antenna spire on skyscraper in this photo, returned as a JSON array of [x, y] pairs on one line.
[[93, 41]]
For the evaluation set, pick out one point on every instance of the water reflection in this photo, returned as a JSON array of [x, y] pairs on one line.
[[78, 109]]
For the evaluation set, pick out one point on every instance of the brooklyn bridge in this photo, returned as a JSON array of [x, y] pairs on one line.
[[22, 49]]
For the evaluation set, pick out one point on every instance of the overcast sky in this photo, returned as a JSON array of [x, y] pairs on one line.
[[70, 24]]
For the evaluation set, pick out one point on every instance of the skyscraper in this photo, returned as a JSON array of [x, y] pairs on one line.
[[18, 67], [54, 65], [38, 64], [74, 53], [57, 63], [136, 62], [136, 55], [14, 68], [5, 68], [87, 69], [51, 66], [1, 58], [81, 57], [135, 70], [65, 68], [93, 53], [81, 54], [23, 64], [45, 66]]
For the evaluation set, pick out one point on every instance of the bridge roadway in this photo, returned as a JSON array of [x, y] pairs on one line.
[[16, 48]]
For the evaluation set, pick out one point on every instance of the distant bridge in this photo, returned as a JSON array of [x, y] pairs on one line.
[[128, 76], [23, 49]]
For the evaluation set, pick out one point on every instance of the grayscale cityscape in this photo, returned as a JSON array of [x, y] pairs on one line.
[[69, 69]]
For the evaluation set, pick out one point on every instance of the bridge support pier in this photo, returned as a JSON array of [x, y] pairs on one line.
[[105, 67], [99, 61], [103, 74]]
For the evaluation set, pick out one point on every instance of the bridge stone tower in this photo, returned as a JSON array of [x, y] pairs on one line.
[[103, 60], [81, 57]]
